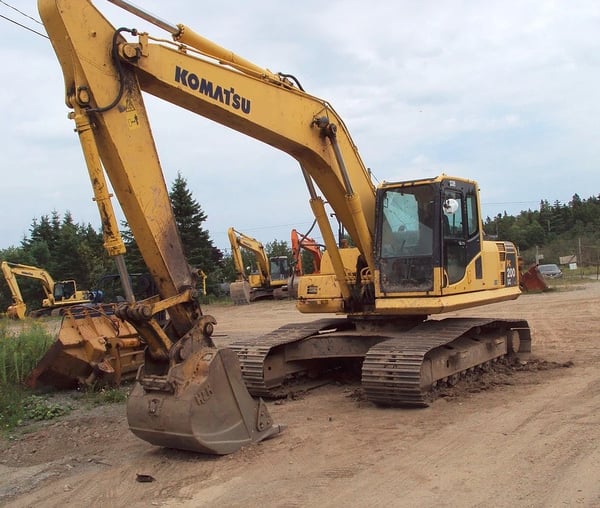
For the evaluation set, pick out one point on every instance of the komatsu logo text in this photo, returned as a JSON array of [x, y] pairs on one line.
[[225, 96]]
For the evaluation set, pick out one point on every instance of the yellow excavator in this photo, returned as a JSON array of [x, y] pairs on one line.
[[59, 294], [268, 281], [416, 247]]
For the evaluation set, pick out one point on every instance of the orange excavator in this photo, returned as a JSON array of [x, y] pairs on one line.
[[300, 244]]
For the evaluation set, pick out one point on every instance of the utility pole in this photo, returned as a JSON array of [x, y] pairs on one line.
[[579, 259]]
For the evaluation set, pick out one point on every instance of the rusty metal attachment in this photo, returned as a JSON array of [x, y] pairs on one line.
[[93, 346], [532, 279]]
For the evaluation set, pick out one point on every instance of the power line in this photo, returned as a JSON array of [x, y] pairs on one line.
[[20, 24], [20, 12], [25, 27]]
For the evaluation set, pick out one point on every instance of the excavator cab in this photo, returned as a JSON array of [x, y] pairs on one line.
[[280, 268], [429, 240], [64, 290]]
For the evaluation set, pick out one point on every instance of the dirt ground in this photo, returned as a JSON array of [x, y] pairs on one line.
[[526, 438]]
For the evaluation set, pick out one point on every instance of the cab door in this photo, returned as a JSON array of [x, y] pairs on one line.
[[461, 236]]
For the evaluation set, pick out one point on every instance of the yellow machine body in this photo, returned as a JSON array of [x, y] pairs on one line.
[[415, 249]]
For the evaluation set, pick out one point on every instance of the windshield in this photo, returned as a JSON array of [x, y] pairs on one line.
[[408, 222], [406, 238], [279, 268]]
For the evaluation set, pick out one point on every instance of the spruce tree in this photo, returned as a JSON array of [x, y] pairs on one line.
[[133, 256], [189, 216], [198, 248]]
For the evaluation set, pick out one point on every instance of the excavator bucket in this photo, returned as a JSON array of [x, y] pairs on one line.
[[240, 292], [93, 346], [16, 311], [201, 405], [533, 280]]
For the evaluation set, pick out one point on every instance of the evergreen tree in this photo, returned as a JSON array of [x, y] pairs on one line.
[[198, 248], [94, 257], [278, 248], [67, 263], [133, 256], [189, 217]]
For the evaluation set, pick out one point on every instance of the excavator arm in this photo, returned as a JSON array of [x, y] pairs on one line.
[[188, 394], [18, 308], [236, 255]]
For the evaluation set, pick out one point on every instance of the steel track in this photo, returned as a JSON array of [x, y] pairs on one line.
[[402, 367]]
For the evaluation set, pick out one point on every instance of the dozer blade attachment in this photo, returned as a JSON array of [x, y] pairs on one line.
[[201, 405]]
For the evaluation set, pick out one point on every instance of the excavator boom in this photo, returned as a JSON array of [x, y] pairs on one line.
[[18, 308]]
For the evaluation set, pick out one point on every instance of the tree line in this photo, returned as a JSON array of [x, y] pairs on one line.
[[68, 250], [554, 230]]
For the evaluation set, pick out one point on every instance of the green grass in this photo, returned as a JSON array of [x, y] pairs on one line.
[[102, 395], [22, 345], [20, 351], [21, 348]]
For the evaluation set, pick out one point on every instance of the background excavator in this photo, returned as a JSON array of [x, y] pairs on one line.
[[416, 247], [302, 244], [270, 278], [59, 294]]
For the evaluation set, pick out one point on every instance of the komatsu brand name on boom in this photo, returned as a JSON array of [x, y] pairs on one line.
[[225, 96]]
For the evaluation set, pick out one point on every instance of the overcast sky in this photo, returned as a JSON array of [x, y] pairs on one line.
[[502, 92]]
